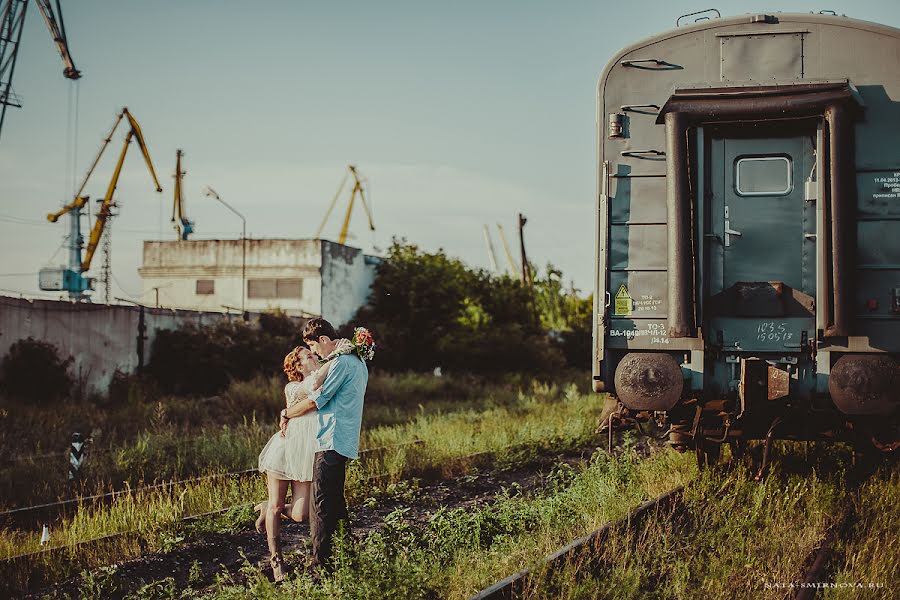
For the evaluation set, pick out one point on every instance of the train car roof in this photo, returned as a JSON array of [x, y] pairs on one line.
[[753, 20]]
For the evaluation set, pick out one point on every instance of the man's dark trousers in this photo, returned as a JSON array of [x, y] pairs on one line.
[[328, 506]]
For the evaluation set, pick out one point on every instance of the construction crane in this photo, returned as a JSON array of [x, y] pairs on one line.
[[72, 278], [183, 226], [513, 269], [357, 188], [490, 248], [12, 20]]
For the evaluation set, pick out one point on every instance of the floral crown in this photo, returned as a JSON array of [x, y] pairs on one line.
[[362, 343]]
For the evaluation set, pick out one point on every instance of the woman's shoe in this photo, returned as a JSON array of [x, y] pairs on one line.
[[261, 519], [278, 569]]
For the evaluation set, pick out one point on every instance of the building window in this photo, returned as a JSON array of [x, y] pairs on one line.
[[275, 288], [763, 176], [289, 288], [205, 287]]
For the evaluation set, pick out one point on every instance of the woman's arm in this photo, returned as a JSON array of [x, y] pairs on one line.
[[318, 378]]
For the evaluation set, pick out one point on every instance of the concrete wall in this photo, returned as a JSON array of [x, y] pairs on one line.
[[175, 267], [101, 338], [347, 276]]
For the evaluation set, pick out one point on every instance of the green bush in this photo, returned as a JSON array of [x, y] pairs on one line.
[[204, 360], [34, 371]]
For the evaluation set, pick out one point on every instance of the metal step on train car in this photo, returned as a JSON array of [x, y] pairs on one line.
[[748, 231]]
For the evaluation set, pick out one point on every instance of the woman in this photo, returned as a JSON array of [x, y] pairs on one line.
[[288, 456]]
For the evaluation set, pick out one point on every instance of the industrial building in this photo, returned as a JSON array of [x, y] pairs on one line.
[[310, 277]]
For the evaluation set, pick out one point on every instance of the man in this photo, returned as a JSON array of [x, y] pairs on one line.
[[340, 407]]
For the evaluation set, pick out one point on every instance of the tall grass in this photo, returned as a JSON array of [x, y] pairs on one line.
[[457, 552], [732, 537], [868, 564], [142, 441], [549, 417]]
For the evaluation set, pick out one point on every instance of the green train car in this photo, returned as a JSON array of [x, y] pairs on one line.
[[748, 231]]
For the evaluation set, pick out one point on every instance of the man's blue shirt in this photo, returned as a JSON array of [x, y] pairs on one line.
[[340, 405]]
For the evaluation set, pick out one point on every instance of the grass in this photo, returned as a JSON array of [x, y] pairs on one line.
[[457, 552], [548, 417], [737, 538], [868, 565], [146, 440]]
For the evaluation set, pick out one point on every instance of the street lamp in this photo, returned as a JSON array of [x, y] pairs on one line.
[[212, 193]]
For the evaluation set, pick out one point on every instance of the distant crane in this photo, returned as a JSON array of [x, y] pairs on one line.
[[490, 248], [72, 278], [513, 269], [357, 188], [183, 226], [12, 20]]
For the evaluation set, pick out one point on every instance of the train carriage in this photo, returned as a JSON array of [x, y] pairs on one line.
[[748, 230]]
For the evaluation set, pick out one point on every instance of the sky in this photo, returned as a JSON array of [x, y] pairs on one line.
[[457, 114]]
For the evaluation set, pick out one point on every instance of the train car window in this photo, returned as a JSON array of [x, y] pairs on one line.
[[763, 176]]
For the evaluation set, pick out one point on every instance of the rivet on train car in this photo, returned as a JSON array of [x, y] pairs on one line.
[[616, 125]]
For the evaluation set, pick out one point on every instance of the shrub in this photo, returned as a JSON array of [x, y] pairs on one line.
[[34, 371], [204, 360]]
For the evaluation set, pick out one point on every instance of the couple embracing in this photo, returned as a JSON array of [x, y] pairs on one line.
[[319, 433]]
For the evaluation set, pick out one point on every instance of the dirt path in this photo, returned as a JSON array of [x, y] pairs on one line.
[[218, 553]]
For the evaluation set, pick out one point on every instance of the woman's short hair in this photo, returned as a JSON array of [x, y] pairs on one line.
[[315, 328], [292, 363]]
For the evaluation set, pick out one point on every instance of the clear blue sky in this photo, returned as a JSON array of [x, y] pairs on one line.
[[458, 113]]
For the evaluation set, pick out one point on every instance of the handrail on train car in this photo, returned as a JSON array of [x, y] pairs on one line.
[[699, 12]]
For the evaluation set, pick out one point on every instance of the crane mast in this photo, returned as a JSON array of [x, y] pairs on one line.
[[182, 225]]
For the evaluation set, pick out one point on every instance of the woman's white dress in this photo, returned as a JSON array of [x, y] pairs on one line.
[[291, 457]]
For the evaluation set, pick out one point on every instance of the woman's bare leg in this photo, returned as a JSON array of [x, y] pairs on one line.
[[298, 509], [277, 491]]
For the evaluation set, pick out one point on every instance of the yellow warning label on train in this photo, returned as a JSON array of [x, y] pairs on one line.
[[623, 304]]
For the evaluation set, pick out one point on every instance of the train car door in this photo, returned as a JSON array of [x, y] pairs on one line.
[[763, 232]]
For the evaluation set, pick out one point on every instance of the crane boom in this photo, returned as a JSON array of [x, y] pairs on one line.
[[108, 203], [331, 206], [512, 263], [490, 247], [357, 189], [75, 204], [58, 32], [12, 20]]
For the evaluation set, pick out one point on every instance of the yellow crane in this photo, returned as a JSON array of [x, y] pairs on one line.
[[183, 226], [513, 269], [72, 279], [357, 188]]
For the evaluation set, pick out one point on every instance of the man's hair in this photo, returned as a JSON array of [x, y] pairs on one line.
[[316, 328]]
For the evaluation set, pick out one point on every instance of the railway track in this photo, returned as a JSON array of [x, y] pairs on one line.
[[436, 492], [586, 552], [29, 516], [514, 585]]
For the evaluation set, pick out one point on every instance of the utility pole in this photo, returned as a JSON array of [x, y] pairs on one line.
[[526, 269]]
